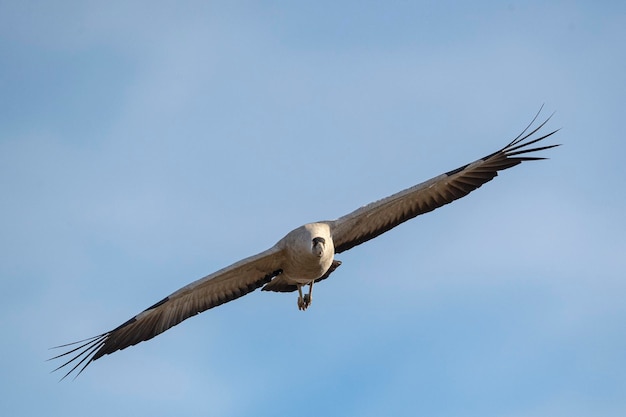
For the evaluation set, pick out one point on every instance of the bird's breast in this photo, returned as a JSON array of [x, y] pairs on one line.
[[303, 264], [303, 268]]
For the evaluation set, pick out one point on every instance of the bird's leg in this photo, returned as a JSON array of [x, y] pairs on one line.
[[304, 301], [301, 305], [308, 297]]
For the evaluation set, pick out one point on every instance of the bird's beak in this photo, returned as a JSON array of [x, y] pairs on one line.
[[319, 244]]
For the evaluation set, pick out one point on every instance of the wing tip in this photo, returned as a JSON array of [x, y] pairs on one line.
[[85, 354]]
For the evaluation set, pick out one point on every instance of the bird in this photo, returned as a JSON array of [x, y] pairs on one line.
[[306, 255]]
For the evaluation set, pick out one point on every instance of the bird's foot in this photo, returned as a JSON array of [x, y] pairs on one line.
[[304, 302]]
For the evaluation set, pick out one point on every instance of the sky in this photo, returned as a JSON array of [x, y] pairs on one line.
[[144, 145]]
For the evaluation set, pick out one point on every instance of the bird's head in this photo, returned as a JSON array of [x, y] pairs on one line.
[[318, 245]]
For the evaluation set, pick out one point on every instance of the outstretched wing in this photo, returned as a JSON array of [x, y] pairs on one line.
[[218, 288], [380, 216]]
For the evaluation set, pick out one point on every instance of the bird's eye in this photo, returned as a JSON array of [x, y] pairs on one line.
[[318, 240]]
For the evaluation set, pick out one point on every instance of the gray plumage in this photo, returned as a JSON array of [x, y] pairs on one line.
[[306, 254]]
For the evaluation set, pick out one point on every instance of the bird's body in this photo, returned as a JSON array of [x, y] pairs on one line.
[[305, 260], [306, 254]]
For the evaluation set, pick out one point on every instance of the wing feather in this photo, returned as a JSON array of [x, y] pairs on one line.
[[220, 287], [380, 216]]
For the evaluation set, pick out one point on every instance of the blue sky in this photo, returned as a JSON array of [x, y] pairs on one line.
[[145, 145]]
